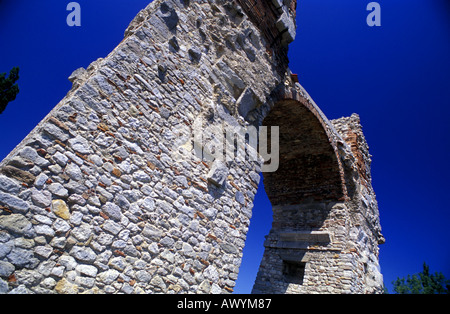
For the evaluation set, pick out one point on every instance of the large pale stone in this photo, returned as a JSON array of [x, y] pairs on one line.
[[87, 270], [18, 174], [65, 287], [41, 199], [108, 277], [6, 269], [112, 211], [60, 208], [83, 254], [58, 190]]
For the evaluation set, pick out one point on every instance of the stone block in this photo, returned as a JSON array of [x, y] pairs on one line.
[[18, 174], [218, 173], [6, 269], [14, 202], [65, 287], [41, 198], [247, 102], [141, 218], [287, 28], [60, 209], [112, 211], [9, 186]]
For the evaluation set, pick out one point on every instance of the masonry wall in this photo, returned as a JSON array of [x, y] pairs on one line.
[[97, 199], [105, 194]]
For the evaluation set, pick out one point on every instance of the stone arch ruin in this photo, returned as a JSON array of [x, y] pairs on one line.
[[99, 199]]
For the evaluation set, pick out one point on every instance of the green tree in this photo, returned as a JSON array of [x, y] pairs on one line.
[[422, 283], [8, 87]]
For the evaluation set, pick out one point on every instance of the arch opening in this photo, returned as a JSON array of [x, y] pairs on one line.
[[309, 166], [305, 193]]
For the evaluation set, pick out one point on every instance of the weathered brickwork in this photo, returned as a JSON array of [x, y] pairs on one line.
[[101, 196]]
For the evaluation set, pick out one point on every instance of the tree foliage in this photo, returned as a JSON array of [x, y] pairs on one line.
[[422, 283], [8, 87]]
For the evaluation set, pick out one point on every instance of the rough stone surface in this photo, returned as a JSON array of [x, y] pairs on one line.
[[218, 173], [108, 195], [16, 223], [60, 209]]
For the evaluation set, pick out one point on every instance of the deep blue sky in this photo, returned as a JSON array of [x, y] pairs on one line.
[[397, 77]]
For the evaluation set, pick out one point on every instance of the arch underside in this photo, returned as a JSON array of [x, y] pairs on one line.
[[309, 168]]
